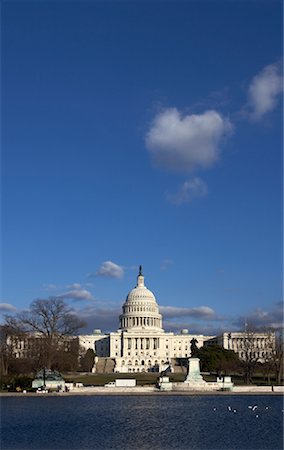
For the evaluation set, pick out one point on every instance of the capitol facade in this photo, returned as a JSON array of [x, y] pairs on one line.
[[141, 344]]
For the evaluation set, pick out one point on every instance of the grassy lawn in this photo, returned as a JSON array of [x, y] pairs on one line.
[[98, 379]]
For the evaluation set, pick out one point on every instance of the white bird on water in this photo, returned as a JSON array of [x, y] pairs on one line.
[[229, 408], [254, 408]]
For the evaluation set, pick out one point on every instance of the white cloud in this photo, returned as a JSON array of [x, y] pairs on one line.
[[7, 308], [183, 143], [110, 270], [207, 329], [49, 286], [189, 190], [166, 263], [201, 312], [74, 286], [77, 294], [264, 91], [272, 317], [106, 319]]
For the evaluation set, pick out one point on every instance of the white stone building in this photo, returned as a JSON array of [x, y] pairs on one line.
[[248, 344], [141, 344]]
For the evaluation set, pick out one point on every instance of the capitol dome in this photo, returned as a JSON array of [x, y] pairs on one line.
[[140, 309]]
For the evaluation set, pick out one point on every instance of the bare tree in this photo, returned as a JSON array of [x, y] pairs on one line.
[[277, 358], [46, 326], [6, 351], [250, 356]]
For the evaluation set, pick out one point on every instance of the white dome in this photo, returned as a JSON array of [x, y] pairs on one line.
[[140, 293], [140, 309]]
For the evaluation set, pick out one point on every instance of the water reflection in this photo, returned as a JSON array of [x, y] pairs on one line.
[[136, 422]]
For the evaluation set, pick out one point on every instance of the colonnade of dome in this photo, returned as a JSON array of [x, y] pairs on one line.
[[129, 322]]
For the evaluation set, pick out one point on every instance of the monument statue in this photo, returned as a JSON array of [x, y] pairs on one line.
[[193, 347]]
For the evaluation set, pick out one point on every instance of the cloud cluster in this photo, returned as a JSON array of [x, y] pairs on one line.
[[207, 329], [77, 295], [7, 308], [199, 313], [264, 318], [184, 143], [109, 269], [104, 318], [189, 142], [198, 320], [188, 191], [264, 91]]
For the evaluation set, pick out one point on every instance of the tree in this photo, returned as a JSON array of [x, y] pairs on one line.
[[250, 355], [276, 359], [87, 360], [279, 358], [48, 326], [6, 350], [217, 359]]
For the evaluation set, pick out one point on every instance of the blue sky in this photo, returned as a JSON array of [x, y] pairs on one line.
[[144, 133]]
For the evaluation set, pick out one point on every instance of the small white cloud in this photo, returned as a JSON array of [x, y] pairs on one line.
[[7, 308], [109, 269], [183, 143], [74, 286], [77, 295], [166, 263], [264, 91], [49, 286], [188, 191]]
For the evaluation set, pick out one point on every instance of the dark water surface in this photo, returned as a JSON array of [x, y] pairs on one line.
[[137, 422]]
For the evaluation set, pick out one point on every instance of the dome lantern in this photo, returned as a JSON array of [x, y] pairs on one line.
[[140, 278]]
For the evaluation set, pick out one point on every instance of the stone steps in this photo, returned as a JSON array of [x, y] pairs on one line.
[[105, 365]]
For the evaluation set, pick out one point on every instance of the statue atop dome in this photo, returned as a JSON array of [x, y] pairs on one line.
[[140, 278]]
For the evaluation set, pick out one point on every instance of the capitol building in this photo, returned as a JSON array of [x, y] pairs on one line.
[[141, 344]]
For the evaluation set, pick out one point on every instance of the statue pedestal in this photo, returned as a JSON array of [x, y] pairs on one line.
[[194, 379]]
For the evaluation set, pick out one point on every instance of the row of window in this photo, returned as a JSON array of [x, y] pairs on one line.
[[143, 308], [142, 362]]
